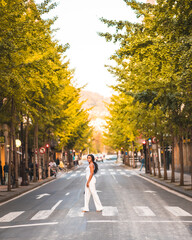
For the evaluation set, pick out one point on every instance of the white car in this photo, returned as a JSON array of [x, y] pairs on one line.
[[99, 158]]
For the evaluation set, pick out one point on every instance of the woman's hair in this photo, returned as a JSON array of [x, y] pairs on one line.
[[95, 164]]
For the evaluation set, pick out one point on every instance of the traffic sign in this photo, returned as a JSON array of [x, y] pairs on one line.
[[42, 150]]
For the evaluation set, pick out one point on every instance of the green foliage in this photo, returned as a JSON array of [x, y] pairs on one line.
[[35, 75], [153, 67]]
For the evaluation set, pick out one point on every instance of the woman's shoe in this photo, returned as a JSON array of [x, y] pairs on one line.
[[99, 210]]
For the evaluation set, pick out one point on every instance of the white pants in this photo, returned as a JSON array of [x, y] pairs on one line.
[[92, 191]]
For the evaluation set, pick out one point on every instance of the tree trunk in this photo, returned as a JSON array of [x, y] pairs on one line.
[[10, 160], [153, 162], [164, 162], [173, 161], [26, 149], [128, 160], [181, 157], [133, 154], [24, 176], [158, 163], [69, 159], [149, 158], [190, 154], [15, 159], [36, 158]]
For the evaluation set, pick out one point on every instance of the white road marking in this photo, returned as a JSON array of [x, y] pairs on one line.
[[102, 170], [29, 225], [10, 216], [43, 214], [75, 212], [57, 204], [166, 188], [73, 175], [78, 171], [42, 195], [27, 192], [148, 191], [133, 173], [130, 221], [119, 170], [115, 178], [103, 173], [67, 194], [122, 173], [144, 211], [110, 211], [110, 169], [113, 173], [178, 212], [83, 174], [68, 178]]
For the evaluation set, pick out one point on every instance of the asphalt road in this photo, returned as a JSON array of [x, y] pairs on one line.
[[134, 208]]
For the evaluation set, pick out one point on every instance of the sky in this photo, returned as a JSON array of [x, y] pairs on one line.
[[79, 24]]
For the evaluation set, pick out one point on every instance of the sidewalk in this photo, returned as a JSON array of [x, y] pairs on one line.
[[186, 189]]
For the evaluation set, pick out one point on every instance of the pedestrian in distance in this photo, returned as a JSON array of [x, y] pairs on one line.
[[90, 189], [142, 162], [6, 172]]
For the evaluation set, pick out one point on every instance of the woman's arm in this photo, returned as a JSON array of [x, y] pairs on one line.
[[91, 173]]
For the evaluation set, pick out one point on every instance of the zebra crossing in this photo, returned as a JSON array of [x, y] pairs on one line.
[[101, 172], [108, 211]]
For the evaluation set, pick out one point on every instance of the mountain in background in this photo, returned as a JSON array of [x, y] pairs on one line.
[[99, 111], [96, 101]]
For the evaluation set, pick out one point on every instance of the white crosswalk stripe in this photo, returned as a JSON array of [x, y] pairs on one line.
[[44, 214], [10, 216], [178, 212], [143, 211], [110, 211]]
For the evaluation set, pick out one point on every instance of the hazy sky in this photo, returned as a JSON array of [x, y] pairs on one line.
[[78, 23]]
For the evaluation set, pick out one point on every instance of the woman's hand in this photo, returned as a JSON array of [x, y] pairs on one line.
[[87, 184]]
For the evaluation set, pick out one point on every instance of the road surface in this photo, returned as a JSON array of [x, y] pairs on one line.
[[134, 208]]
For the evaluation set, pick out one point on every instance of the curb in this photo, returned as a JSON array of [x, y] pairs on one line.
[[17, 193], [184, 192]]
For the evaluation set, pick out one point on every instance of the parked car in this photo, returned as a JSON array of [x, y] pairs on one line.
[[99, 158], [111, 157]]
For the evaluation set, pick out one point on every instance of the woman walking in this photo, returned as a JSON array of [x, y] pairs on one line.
[[90, 189]]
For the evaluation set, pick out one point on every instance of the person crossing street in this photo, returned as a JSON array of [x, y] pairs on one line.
[[90, 185]]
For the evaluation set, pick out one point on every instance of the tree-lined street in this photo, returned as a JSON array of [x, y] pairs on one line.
[[133, 209]]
